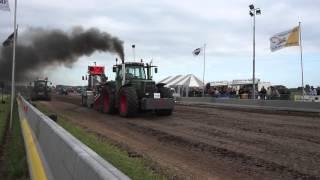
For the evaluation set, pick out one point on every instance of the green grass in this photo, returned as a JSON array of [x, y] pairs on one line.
[[4, 112], [14, 162], [135, 168]]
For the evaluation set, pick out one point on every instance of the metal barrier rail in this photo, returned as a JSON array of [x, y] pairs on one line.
[[53, 153], [261, 104]]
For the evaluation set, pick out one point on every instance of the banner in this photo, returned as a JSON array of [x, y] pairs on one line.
[[4, 5], [285, 39], [9, 40]]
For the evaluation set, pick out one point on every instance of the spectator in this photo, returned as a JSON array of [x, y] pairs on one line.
[[307, 89], [216, 92], [274, 93], [269, 92], [313, 91], [263, 93]]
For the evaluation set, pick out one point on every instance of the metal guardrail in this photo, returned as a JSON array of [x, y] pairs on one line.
[[258, 104], [53, 153]]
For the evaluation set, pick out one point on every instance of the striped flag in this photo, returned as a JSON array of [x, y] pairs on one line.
[[4, 5], [285, 39], [9, 40]]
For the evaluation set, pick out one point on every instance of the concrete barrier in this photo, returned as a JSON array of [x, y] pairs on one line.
[[53, 153], [259, 104]]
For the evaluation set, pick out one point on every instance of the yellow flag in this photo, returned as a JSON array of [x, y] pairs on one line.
[[285, 39]]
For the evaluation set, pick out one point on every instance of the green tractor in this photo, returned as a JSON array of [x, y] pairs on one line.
[[133, 91], [40, 90]]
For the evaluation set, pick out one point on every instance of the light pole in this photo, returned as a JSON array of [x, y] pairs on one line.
[[253, 12], [134, 55]]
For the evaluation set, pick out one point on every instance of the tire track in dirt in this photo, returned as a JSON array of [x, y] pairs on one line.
[[223, 153], [208, 143]]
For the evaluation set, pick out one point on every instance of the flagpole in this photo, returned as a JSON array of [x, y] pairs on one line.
[[301, 62], [13, 62], [204, 67]]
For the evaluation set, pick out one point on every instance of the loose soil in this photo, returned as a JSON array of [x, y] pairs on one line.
[[209, 143]]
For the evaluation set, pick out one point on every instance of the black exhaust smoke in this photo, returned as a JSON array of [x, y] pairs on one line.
[[39, 48]]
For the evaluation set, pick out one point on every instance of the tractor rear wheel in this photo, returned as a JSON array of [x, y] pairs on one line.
[[98, 104], [128, 102], [108, 101]]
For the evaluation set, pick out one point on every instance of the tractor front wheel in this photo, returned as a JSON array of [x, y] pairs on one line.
[[128, 102]]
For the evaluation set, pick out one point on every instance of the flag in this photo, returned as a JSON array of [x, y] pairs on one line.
[[4, 5], [285, 39], [9, 40], [196, 52]]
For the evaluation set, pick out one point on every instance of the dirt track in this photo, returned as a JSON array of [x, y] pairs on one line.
[[209, 143]]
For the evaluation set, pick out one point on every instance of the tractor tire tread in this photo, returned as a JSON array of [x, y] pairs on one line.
[[132, 101]]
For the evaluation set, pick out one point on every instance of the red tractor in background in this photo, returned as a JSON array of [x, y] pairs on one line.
[[132, 91]]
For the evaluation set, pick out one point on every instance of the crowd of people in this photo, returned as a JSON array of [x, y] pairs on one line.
[[222, 92], [270, 93], [264, 93], [311, 91], [246, 92]]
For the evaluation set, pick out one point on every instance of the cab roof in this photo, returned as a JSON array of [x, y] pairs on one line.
[[135, 64]]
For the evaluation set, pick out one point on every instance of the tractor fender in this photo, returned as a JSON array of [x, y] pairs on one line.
[[159, 85]]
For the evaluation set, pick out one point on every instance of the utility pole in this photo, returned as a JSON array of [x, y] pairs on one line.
[[253, 12]]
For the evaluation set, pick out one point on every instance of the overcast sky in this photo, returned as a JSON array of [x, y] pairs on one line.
[[168, 31]]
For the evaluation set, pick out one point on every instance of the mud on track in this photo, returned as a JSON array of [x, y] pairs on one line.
[[209, 143]]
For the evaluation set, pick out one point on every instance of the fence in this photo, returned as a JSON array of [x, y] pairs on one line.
[[53, 153], [266, 104]]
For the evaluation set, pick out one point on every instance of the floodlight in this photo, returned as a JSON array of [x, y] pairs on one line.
[[251, 6], [258, 11]]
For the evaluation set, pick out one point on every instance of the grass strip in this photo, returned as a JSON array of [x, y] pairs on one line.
[[15, 159], [135, 168], [4, 113]]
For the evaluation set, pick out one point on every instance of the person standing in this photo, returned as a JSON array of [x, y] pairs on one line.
[[313, 91], [263, 93], [269, 92]]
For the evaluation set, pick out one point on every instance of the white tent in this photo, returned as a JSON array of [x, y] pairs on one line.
[[183, 83]]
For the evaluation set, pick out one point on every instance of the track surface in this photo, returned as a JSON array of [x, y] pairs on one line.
[[209, 143]]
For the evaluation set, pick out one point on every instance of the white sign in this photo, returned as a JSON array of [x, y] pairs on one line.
[[4, 5], [307, 98], [156, 95]]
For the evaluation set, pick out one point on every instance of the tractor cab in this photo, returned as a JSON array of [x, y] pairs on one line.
[[133, 71], [137, 75], [96, 79]]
